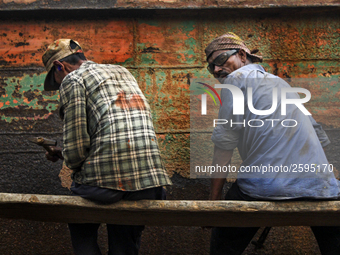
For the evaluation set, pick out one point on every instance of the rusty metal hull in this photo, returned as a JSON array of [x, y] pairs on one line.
[[164, 49]]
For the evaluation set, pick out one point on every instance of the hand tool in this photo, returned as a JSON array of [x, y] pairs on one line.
[[46, 143]]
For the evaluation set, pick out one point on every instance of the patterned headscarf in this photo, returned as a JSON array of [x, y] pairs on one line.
[[230, 41]]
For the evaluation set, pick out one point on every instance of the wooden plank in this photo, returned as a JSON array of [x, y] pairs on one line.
[[52, 208]]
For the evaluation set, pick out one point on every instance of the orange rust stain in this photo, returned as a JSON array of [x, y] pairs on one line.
[[19, 1], [7, 103], [136, 102], [1, 104], [24, 43], [120, 185], [161, 137], [293, 69], [15, 101], [306, 76]]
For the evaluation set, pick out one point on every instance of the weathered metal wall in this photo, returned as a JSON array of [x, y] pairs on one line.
[[158, 4], [163, 49]]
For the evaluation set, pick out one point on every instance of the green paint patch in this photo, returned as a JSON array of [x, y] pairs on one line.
[[27, 91], [36, 117], [189, 26], [127, 62], [147, 78], [147, 59], [190, 57], [160, 78], [184, 26], [191, 42]]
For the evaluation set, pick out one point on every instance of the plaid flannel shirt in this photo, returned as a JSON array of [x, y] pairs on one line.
[[109, 139]]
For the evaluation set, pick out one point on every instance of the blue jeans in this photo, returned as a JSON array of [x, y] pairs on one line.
[[123, 239], [234, 240]]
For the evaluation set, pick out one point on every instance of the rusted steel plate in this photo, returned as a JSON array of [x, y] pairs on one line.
[[167, 43], [107, 41], [278, 38], [175, 152], [156, 4], [170, 213], [171, 43], [168, 94], [164, 54], [21, 99], [151, 43]]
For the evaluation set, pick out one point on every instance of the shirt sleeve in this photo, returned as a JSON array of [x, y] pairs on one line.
[[75, 136], [225, 136], [323, 138], [225, 139]]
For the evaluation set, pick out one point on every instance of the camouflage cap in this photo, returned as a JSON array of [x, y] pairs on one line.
[[230, 41], [59, 49]]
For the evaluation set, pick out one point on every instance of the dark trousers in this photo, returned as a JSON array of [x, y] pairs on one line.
[[123, 239], [234, 240]]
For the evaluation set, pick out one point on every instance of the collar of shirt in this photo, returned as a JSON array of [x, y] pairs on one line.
[[250, 67]]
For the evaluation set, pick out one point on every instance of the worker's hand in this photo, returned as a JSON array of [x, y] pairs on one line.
[[55, 154]]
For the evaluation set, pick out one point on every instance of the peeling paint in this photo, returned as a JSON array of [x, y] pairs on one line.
[[27, 48]]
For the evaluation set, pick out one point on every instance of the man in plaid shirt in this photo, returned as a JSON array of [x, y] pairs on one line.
[[109, 141]]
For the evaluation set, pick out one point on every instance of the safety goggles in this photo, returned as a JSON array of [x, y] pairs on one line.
[[220, 60]]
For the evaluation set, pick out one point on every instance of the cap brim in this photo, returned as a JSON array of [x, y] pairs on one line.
[[50, 84]]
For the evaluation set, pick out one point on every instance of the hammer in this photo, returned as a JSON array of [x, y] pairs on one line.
[[44, 142]]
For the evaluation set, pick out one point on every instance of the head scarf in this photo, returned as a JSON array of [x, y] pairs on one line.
[[230, 41]]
